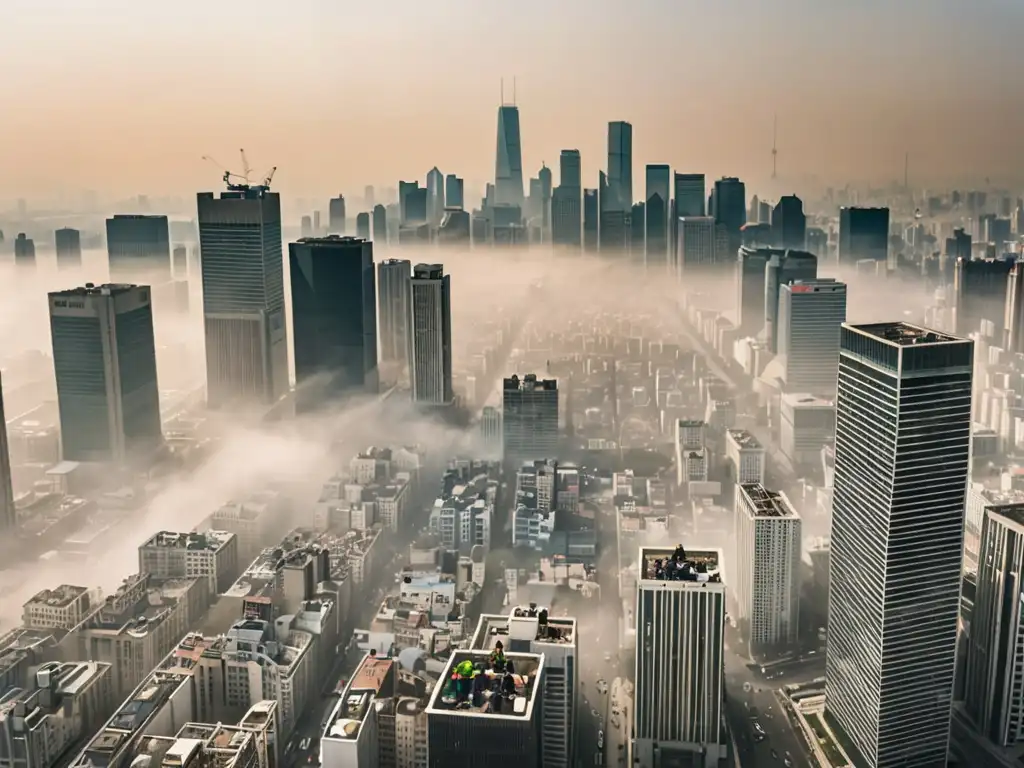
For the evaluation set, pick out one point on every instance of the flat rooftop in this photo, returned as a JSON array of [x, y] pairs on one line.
[[525, 624], [680, 564], [472, 686], [807, 400], [904, 334], [209, 540], [1014, 513], [745, 440], [90, 289], [61, 597], [765, 503], [371, 674], [349, 715]]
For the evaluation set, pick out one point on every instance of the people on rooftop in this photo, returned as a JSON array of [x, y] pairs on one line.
[[497, 657]]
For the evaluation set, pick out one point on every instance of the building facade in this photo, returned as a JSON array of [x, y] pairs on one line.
[[430, 335]]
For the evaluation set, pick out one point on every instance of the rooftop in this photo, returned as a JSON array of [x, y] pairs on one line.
[[139, 604], [91, 289], [904, 334], [529, 382], [61, 597], [1013, 513], [745, 440], [351, 710], [807, 400], [371, 674], [525, 624], [332, 240], [680, 564], [473, 685], [209, 540], [765, 503]]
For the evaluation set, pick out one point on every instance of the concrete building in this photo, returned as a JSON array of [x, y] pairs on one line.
[[746, 456], [766, 578], [811, 313], [807, 423], [533, 517], [508, 166], [62, 608], [104, 358], [530, 629], [783, 267], [393, 296], [8, 513], [529, 418], [696, 244], [352, 736], [897, 527], [430, 335], [68, 244], [259, 518], [211, 556], [484, 711], [679, 693], [139, 248]]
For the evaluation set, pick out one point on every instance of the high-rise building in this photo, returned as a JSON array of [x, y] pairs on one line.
[[430, 335], [394, 290], [863, 234], [1013, 310], [811, 312], [679, 687], [334, 318], [380, 225], [435, 196], [139, 247], [659, 179], [336, 215], [8, 514], [529, 418], [902, 454], [696, 251], [363, 225], [750, 290], [454, 192], [68, 244], [566, 216], [994, 669], [766, 578], [415, 205], [179, 262], [591, 220], [570, 173], [979, 294], [729, 208], [243, 297], [789, 224], [783, 267], [104, 359], [24, 250], [620, 167], [690, 194], [544, 176], [508, 167]]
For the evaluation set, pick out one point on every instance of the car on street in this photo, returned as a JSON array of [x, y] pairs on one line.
[[600, 739]]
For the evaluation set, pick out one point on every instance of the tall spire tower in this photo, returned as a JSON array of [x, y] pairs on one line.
[[508, 166]]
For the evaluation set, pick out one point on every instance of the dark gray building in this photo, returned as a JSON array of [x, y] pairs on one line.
[[690, 194], [591, 220], [394, 290], [656, 210], [729, 208], [24, 251], [336, 219], [620, 167], [363, 225], [380, 225], [789, 224], [863, 234], [902, 455], [334, 318], [430, 335], [454, 192], [529, 418], [139, 247], [783, 267], [243, 297], [8, 514], [979, 293], [104, 359], [68, 244], [750, 289]]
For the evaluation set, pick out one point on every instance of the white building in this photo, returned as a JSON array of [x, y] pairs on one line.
[[410, 733], [62, 608], [807, 422], [352, 736], [534, 513], [212, 556], [680, 626], [746, 455], [810, 315], [259, 518], [766, 576]]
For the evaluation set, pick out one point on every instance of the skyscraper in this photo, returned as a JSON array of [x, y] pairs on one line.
[[394, 289], [508, 167], [139, 247], [690, 194], [243, 297], [979, 293], [435, 196], [363, 225], [767, 574], [104, 359], [380, 225], [696, 249], [680, 620], [336, 215], [620, 167], [591, 220], [544, 176], [789, 224], [902, 452], [729, 200], [783, 267], [1013, 310], [529, 418], [430, 335], [8, 514], [333, 318], [811, 313], [179, 262], [656, 215], [454, 194], [68, 244], [750, 290], [863, 234], [24, 251], [566, 205]]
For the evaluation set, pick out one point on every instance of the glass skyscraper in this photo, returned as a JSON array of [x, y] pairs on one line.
[[508, 167], [902, 453], [430, 335], [139, 247]]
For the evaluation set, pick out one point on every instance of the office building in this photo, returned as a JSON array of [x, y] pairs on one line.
[[783, 267], [243, 297], [354, 732], [656, 215], [363, 225], [179, 262], [807, 423], [139, 248], [863, 234], [430, 335], [980, 289], [24, 250], [529, 418], [994, 669], [508, 167], [533, 516], [68, 244], [789, 224], [8, 514], [546, 191], [306, 226], [729, 208], [435, 196], [679, 687], [766, 579], [566, 216], [690, 194], [811, 313], [902, 451], [531, 629], [334, 318], [1013, 310], [336, 215], [486, 709], [620, 167], [696, 252], [454, 192], [745, 456], [393, 291], [456, 228], [211, 556], [591, 220], [380, 225], [104, 358], [751, 267]]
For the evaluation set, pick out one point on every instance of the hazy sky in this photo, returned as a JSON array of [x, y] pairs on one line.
[[124, 96]]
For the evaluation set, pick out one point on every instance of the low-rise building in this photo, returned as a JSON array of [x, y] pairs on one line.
[[260, 518], [62, 608], [211, 556], [746, 456]]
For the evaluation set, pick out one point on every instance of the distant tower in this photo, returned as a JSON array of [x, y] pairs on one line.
[[775, 148], [430, 335], [508, 167], [139, 248], [68, 243]]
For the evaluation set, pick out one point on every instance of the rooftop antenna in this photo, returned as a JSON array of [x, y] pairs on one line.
[[775, 149]]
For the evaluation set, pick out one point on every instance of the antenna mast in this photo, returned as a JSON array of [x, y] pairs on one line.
[[775, 148]]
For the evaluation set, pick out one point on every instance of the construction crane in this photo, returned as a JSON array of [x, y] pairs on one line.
[[242, 182]]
